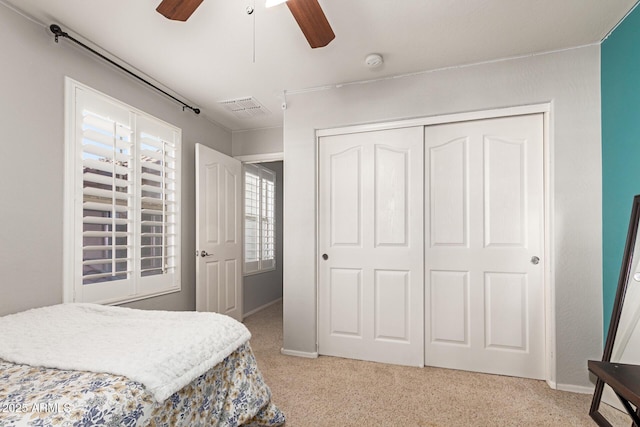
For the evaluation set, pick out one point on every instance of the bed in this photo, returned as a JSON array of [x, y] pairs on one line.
[[91, 365]]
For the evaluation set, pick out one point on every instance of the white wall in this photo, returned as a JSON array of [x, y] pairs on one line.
[[257, 141], [570, 80], [31, 176]]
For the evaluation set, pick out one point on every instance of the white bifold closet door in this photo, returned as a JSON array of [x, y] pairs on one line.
[[484, 293], [370, 256]]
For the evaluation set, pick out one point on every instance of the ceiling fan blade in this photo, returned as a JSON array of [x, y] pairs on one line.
[[312, 21], [178, 10]]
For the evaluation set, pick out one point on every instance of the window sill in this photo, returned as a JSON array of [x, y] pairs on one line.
[[134, 298]]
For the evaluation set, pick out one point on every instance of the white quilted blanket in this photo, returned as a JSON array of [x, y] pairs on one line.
[[163, 350]]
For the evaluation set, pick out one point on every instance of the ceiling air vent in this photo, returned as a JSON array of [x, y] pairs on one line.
[[245, 108]]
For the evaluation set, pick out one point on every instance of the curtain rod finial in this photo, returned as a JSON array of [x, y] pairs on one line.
[[57, 31]]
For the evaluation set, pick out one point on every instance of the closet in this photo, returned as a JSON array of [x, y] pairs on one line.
[[431, 241]]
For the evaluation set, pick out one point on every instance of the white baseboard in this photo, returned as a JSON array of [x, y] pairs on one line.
[[262, 307], [296, 353], [576, 388]]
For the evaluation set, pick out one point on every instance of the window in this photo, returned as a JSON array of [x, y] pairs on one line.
[[122, 201], [259, 219]]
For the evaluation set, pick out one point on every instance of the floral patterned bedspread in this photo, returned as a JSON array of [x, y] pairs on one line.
[[232, 393]]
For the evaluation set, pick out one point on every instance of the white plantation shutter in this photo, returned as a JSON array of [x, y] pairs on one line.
[[268, 219], [259, 223], [251, 219], [159, 196], [107, 198], [123, 218]]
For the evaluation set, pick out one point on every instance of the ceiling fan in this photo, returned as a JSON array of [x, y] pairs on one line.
[[307, 13]]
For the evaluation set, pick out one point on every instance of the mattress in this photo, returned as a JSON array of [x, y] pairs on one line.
[[232, 393]]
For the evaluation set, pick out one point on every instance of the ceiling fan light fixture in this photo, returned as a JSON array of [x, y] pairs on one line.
[[271, 3]]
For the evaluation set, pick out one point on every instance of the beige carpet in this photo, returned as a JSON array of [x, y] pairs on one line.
[[331, 391]]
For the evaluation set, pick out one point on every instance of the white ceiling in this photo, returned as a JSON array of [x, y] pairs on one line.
[[221, 52]]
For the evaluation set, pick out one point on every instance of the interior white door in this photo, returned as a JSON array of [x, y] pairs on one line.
[[218, 233], [371, 246], [484, 293]]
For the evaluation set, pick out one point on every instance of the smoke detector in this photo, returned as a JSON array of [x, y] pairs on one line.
[[373, 60]]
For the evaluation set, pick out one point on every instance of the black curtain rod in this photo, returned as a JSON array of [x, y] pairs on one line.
[[57, 31]]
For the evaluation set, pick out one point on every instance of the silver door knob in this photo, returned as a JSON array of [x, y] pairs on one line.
[[204, 254], [535, 260]]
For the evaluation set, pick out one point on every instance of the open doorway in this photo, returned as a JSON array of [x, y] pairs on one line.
[[262, 284]]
